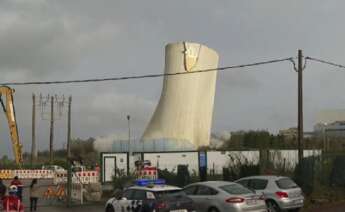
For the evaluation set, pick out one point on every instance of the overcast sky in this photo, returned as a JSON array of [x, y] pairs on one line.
[[61, 40]]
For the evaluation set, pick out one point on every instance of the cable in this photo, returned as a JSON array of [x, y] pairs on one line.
[[325, 62], [144, 76]]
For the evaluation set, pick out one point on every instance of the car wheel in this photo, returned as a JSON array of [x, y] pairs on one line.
[[213, 209], [272, 206], [109, 208]]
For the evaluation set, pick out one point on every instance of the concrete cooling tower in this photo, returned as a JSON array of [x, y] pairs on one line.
[[183, 116]]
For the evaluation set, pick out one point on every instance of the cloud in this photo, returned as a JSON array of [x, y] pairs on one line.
[[123, 104], [36, 46], [238, 80], [105, 143], [37, 43], [44, 40]]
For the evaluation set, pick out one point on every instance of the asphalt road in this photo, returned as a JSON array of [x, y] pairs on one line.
[[96, 208], [100, 208], [52, 205], [45, 205]]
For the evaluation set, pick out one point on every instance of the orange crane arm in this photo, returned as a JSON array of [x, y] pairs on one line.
[[8, 108]]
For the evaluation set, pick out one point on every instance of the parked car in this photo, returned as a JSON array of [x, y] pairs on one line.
[[78, 168], [221, 196], [55, 168], [281, 193], [151, 197]]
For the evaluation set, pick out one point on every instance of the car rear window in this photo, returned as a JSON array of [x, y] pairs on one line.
[[286, 183], [235, 189], [169, 193]]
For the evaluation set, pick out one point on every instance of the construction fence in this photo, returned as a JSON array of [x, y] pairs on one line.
[[52, 187]]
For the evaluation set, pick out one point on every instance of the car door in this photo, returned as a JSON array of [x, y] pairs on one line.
[[123, 203], [138, 197], [205, 197], [191, 193]]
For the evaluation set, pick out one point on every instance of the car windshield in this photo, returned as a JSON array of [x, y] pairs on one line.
[[286, 183], [169, 193], [235, 189]]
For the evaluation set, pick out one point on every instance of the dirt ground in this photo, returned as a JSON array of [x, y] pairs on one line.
[[335, 207]]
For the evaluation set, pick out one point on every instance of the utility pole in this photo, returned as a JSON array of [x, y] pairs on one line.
[[51, 138], [129, 136], [300, 106], [324, 138], [33, 144], [69, 162], [129, 155]]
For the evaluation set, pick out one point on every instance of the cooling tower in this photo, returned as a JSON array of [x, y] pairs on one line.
[[183, 115]]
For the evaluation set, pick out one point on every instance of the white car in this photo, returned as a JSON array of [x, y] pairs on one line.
[[150, 197], [281, 193], [78, 168], [55, 168], [222, 196]]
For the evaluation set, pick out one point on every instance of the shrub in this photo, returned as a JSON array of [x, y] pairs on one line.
[[249, 170], [180, 179], [183, 176], [337, 177], [304, 174], [170, 177], [122, 182]]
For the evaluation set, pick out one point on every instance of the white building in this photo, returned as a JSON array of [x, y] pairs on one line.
[[334, 129]]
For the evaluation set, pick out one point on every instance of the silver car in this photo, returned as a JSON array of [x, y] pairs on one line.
[[281, 193], [219, 196]]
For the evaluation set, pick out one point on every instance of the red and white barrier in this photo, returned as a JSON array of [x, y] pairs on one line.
[[26, 174], [6, 174], [84, 177], [148, 172]]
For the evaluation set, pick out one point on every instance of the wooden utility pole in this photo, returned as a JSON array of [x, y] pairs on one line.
[[51, 138], [129, 156], [33, 144], [69, 162], [300, 106], [129, 135]]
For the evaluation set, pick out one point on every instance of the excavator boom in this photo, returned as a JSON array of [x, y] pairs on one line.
[[6, 99]]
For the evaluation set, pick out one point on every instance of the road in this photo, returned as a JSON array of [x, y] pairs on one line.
[[43, 185], [100, 208], [338, 207], [52, 205], [56, 206], [96, 208]]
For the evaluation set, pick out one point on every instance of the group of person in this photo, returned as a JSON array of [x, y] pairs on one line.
[[12, 200]]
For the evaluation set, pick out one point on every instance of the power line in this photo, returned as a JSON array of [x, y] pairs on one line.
[[325, 62], [145, 76]]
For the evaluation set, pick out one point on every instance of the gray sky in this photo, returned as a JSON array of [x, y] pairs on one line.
[[60, 40]]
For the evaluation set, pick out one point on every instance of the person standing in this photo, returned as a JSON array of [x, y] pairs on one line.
[[34, 194], [16, 182], [11, 202], [2, 189]]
